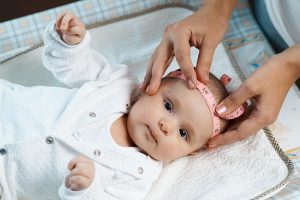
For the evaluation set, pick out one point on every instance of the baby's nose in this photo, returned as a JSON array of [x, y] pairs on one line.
[[165, 126]]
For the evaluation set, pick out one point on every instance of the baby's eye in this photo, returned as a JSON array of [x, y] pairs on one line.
[[183, 133], [168, 106]]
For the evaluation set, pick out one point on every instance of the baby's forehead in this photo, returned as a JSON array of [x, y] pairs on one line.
[[171, 82], [180, 90], [179, 87]]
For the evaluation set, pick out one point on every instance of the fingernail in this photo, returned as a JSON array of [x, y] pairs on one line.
[[191, 84], [221, 110], [206, 77]]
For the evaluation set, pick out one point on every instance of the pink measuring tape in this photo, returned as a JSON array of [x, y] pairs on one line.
[[211, 102]]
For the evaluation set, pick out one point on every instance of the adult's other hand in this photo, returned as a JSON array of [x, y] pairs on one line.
[[204, 30], [268, 87]]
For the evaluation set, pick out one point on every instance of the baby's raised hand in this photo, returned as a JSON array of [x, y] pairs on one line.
[[70, 28], [82, 173]]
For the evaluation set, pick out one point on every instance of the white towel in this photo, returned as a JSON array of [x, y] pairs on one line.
[[240, 171]]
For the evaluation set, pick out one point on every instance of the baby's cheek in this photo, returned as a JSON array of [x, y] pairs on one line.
[[171, 152]]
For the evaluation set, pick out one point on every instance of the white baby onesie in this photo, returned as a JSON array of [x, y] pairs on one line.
[[43, 128]]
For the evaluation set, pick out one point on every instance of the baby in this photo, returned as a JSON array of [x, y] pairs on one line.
[[99, 138]]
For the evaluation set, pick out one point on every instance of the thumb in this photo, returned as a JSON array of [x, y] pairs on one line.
[[67, 183], [233, 101]]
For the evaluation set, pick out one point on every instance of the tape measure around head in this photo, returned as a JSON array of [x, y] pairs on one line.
[[209, 99]]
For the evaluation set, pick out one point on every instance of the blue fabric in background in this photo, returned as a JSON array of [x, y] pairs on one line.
[[260, 13]]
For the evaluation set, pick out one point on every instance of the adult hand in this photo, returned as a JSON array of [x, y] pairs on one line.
[[204, 30], [268, 87]]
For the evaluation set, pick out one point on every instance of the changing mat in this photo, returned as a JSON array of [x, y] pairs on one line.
[[252, 169]]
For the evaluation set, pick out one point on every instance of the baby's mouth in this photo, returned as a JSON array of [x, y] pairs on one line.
[[150, 134]]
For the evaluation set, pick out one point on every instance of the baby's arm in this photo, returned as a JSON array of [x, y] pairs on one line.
[[67, 53], [83, 183]]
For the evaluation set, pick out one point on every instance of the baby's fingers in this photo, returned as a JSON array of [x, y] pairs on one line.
[[64, 25], [77, 182], [85, 169], [246, 129], [80, 158], [58, 20], [66, 20], [77, 30]]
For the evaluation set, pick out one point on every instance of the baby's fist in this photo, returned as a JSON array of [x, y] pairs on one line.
[[70, 28], [82, 173]]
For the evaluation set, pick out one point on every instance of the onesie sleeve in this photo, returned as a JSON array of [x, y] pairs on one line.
[[73, 65], [94, 192], [133, 188]]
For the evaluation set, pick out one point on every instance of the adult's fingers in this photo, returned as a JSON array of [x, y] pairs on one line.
[[147, 77], [153, 86], [234, 100], [247, 128], [156, 75], [182, 55], [204, 60], [157, 66]]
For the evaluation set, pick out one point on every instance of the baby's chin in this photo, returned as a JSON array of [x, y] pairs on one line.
[[162, 156], [155, 156]]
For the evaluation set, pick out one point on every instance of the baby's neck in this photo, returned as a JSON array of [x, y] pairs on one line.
[[120, 134]]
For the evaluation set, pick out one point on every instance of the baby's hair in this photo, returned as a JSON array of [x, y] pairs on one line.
[[219, 91]]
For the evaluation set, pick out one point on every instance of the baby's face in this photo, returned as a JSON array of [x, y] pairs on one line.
[[174, 122]]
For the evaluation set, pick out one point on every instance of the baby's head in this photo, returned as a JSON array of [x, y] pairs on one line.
[[176, 121]]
